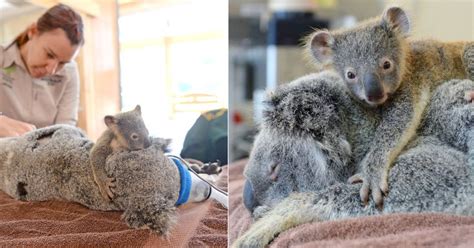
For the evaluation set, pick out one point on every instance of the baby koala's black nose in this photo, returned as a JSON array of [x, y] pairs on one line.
[[376, 97], [147, 142], [373, 87]]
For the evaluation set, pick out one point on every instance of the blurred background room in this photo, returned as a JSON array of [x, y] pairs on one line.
[[169, 56], [266, 38]]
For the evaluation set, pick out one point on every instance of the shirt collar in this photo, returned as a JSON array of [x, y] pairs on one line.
[[12, 55]]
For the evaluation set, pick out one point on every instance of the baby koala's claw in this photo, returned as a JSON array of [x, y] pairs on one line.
[[378, 189], [357, 178], [110, 187]]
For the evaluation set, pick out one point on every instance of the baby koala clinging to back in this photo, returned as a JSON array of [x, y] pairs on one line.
[[125, 132], [395, 76]]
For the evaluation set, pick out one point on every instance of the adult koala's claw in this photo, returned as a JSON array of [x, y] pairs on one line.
[[469, 96]]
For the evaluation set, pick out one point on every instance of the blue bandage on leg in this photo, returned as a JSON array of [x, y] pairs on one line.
[[185, 178]]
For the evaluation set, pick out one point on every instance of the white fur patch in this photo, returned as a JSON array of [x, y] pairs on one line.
[[9, 158], [319, 157]]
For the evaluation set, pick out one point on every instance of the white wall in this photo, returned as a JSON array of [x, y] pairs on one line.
[[440, 19]]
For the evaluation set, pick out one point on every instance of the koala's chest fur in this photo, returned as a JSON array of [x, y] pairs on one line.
[[117, 146]]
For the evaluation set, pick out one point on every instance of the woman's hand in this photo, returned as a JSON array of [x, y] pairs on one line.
[[11, 128]]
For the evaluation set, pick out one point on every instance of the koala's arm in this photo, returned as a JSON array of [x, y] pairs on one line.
[[98, 157], [293, 211], [301, 208], [400, 120]]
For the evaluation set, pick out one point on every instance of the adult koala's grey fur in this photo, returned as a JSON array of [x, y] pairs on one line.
[[432, 174], [53, 163], [311, 134]]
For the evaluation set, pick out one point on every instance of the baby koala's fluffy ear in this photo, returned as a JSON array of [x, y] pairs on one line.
[[138, 109], [397, 19], [110, 120], [320, 44]]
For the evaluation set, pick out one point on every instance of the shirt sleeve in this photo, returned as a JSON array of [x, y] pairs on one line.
[[68, 106]]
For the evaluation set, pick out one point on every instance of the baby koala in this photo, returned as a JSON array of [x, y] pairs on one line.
[[125, 132], [382, 68]]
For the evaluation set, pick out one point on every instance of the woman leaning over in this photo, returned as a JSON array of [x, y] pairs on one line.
[[39, 84]]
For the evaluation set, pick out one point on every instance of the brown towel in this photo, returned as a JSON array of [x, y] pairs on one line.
[[393, 230], [65, 224]]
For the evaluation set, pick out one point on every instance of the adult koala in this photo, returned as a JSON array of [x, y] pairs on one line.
[[53, 163], [313, 136]]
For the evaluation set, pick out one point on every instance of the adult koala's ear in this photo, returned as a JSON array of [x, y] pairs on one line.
[[397, 19], [162, 144], [320, 44]]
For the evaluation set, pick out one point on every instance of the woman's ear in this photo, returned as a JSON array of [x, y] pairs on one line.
[[32, 30]]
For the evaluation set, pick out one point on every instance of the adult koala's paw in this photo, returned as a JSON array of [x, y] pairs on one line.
[[156, 216], [210, 168], [469, 96], [260, 211], [260, 234], [251, 240]]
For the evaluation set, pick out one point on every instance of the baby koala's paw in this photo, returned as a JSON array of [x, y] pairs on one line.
[[373, 184], [468, 58]]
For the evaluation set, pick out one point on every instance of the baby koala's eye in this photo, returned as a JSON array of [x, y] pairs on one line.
[[386, 64], [350, 75], [134, 136]]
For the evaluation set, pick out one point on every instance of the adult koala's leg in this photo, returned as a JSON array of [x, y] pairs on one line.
[[43, 135], [44, 132]]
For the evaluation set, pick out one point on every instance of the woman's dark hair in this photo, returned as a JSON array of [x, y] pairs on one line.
[[59, 16]]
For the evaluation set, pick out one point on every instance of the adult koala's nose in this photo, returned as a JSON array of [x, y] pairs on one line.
[[373, 87]]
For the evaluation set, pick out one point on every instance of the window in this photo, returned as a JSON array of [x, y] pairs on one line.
[[173, 62]]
